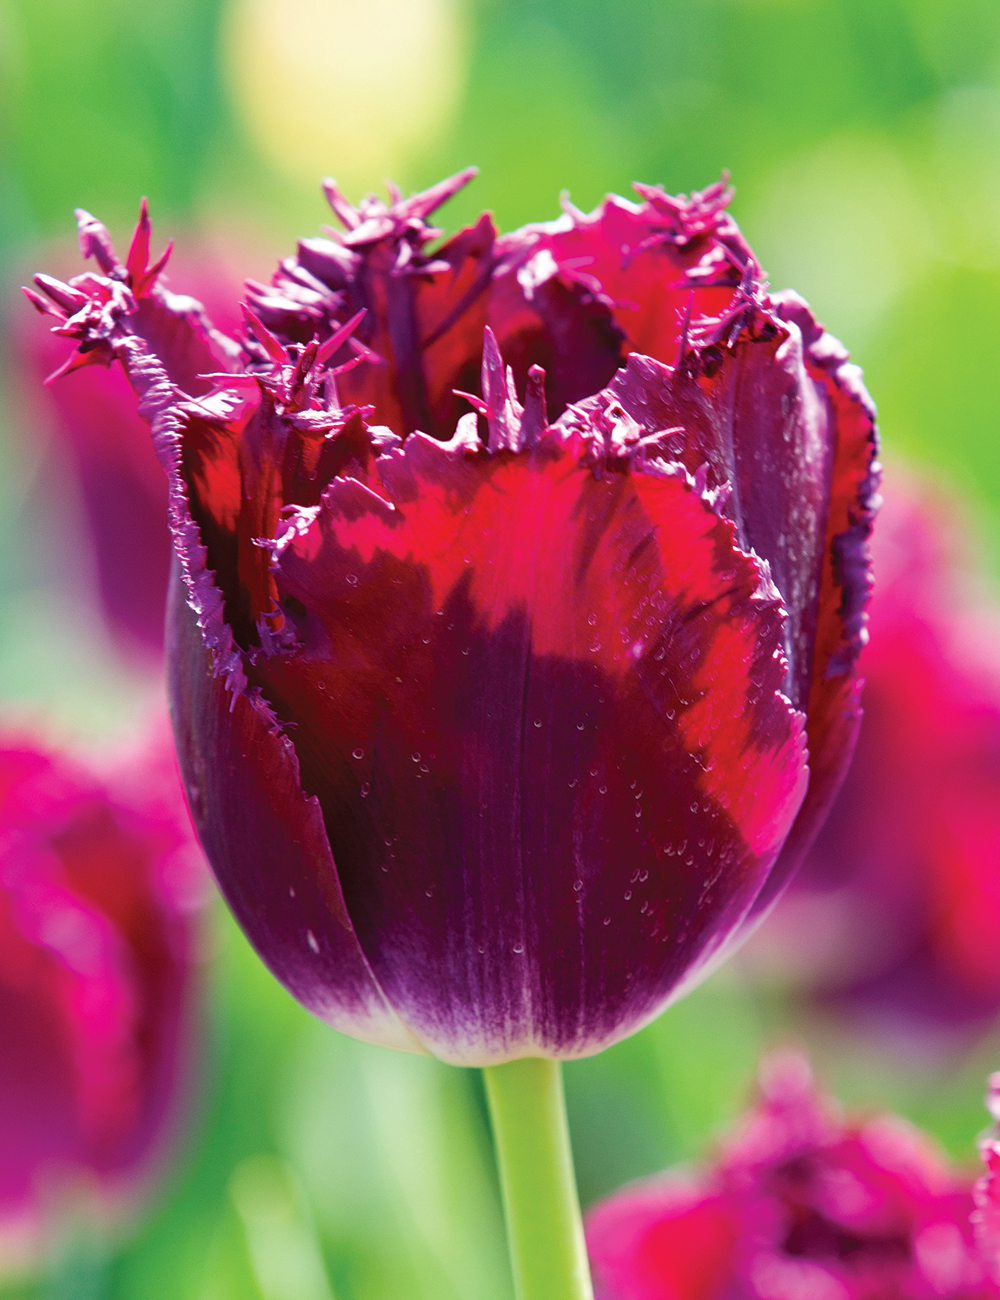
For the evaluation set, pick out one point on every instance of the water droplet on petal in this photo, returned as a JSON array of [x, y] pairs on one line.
[[358, 753], [312, 941], [365, 790], [519, 947], [352, 579]]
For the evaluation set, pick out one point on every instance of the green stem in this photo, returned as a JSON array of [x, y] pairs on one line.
[[544, 1229]]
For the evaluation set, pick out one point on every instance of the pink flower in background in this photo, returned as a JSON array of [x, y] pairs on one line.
[[800, 1204], [895, 914], [121, 484], [98, 888], [986, 1193]]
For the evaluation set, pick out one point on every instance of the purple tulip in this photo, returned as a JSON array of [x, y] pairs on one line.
[[520, 582], [800, 1203], [98, 886]]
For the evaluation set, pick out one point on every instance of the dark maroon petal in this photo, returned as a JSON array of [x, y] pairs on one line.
[[266, 841], [509, 703], [834, 712]]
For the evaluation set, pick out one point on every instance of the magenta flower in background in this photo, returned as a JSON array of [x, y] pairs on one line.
[[122, 487], [895, 914], [986, 1192], [99, 885], [799, 1204], [516, 577]]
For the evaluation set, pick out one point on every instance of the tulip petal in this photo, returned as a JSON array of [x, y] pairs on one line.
[[834, 704], [508, 699], [424, 321], [275, 871], [658, 263]]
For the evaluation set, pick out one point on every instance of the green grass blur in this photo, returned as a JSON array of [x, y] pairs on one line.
[[864, 140]]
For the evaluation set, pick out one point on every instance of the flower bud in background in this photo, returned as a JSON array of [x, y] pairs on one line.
[[894, 918], [799, 1202], [514, 579], [100, 882]]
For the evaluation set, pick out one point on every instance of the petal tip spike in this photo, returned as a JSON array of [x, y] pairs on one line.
[[264, 336], [345, 212], [536, 417], [95, 241], [137, 258], [340, 336]]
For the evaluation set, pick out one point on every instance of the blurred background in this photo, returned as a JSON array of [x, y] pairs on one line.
[[863, 137]]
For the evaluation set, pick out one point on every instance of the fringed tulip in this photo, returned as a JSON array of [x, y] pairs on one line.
[[519, 586], [799, 1203], [98, 889]]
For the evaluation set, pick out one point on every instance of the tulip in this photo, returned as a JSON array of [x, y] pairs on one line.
[[798, 1202], [520, 583], [899, 894], [99, 884]]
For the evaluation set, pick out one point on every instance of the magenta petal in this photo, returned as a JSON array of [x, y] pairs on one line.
[[539, 828], [799, 1203], [276, 871], [99, 886]]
